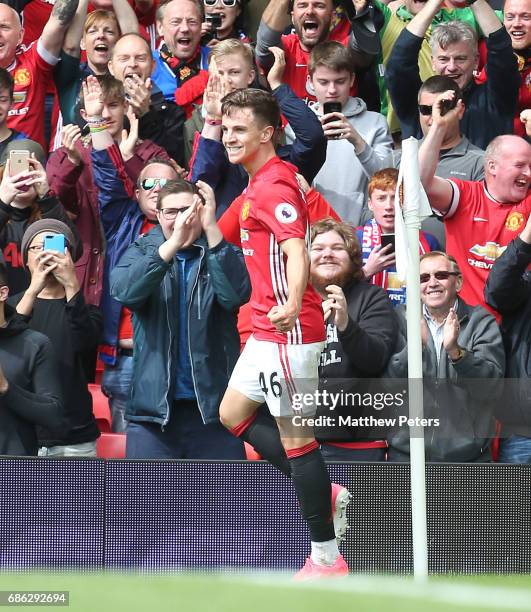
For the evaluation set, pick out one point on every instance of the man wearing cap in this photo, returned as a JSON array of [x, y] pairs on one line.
[[55, 303], [24, 197]]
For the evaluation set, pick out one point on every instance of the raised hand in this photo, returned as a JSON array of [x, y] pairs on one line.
[[92, 96], [129, 140], [69, 137], [138, 94], [274, 76]]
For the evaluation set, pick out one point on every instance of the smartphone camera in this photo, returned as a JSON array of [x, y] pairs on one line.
[[18, 162], [55, 242], [447, 105], [331, 107], [214, 20], [387, 239]]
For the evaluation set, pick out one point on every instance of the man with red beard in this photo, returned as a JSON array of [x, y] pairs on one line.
[[361, 331], [314, 22]]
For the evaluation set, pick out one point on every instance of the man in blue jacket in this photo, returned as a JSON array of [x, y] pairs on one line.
[[184, 284]]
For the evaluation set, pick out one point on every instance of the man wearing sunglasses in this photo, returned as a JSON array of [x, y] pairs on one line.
[[480, 218], [489, 107], [462, 357]]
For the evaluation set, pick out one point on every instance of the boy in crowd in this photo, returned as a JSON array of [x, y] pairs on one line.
[[359, 143], [379, 264]]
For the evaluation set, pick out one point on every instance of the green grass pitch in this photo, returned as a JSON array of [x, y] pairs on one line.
[[269, 592]]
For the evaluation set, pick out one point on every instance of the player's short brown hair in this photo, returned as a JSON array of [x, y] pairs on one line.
[[331, 54], [262, 104], [348, 235], [383, 179]]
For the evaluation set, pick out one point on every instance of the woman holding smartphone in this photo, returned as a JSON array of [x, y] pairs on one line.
[[223, 19]]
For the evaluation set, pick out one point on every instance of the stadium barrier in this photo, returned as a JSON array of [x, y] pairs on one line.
[[166, 516]]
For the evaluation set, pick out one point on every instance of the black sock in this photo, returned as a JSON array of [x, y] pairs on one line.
[[263, 435], [312, 485]]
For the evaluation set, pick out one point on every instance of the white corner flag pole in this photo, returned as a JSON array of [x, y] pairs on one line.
[[415, 207]]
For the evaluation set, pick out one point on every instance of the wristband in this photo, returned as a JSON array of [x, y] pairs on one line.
[[97, 126], [213, 121]]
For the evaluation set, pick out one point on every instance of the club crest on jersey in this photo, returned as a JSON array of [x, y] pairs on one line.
[[285, 213], [246, 207], [514, 221], [22, 77], [244, 235]]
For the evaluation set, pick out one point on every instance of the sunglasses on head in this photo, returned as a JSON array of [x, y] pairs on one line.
[[227, 3], [439, 275], [149, 183]]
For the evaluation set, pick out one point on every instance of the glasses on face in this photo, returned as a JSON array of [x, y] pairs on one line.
[[149, 183], [439, 275], [36, 248], [425, 109], [227, 3], [171, 213]]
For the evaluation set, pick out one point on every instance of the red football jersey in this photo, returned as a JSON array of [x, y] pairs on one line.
[[296, 72], [31, 74], [478, 229], [273, 209]]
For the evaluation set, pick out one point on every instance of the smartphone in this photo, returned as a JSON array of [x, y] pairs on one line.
[[447, 105], [18, 161], [55, 242], [331, 107], [387, 239], [214, 19]]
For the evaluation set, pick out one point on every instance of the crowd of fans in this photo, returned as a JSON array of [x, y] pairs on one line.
[[120, 207]]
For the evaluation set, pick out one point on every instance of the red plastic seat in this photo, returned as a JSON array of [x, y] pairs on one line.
[[100, 408], [111, 446]]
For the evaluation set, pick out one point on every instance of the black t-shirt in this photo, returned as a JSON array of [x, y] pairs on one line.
[[50, 317]]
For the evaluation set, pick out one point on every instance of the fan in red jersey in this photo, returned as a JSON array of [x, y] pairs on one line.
[[32, 68], [480, 218]]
